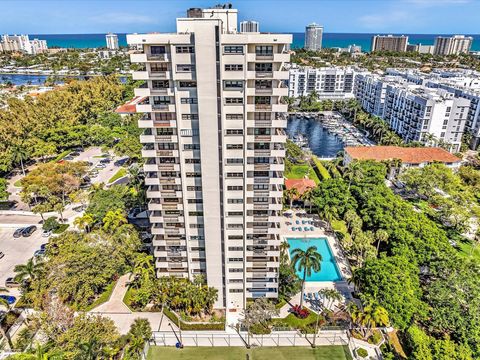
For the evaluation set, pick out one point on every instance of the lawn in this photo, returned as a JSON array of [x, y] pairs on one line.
[[240, 353], [299, 171], [291, 321], [465, 249], [120, 173]]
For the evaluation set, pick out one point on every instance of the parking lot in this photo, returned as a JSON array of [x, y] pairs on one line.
[[17, 251]]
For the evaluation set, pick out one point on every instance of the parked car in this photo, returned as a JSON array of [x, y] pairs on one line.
[[10, 299], [43, 247], [46, 233], [18, 232], [105, 161], [11, 283], [85, 186], [75, 153], [101, 166], [68, 157], [1, 254], [29, 231], [39, 253]]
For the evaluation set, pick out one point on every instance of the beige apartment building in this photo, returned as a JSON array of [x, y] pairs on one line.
[[214, 148], [389, 43]]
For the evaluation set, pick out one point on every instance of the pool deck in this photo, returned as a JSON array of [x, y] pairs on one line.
[[319, 231]]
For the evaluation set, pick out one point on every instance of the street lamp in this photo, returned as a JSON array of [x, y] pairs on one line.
[[179, 342]]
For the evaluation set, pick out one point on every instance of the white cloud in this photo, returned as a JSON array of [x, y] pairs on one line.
[[122, 19]]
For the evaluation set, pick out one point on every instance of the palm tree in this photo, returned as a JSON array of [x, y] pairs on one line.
[[330, 295], [372, 316], [308, 261], [292, 194], [113, 220], [85, 222], [28, 271], [284, 246], [19, 155], [4, 302], [143, 267], [381, 236], [89, 350], [353, 172], [328, 213], [308, 196]]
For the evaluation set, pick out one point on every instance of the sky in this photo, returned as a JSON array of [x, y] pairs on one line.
[[347, 16]]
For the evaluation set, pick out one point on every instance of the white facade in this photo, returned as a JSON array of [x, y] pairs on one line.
[[327, 82], [112, 41], [313, 37], [214, 144], [22, 43], [453, 45], [249, 26]]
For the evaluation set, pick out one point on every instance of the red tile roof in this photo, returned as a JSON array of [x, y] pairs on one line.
[[408, 155], [301, 185], [130, 107]]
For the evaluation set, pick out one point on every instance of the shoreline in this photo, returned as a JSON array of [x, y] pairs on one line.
[[57, 75]]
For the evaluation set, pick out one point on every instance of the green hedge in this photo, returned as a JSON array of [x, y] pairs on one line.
[[185, 326], [322, 173]]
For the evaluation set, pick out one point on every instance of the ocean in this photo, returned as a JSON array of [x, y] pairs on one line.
[[329, 40]]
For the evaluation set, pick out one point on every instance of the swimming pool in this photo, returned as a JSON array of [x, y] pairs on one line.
[[329, 269]]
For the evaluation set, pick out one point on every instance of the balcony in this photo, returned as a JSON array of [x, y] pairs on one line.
[[157, 57]]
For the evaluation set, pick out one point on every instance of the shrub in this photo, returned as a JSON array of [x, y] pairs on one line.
[[321, 171], [51, 224], [299, 312], [362, 352], [259, 329]]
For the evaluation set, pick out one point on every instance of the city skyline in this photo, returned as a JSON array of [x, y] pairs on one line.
[[124, 16]]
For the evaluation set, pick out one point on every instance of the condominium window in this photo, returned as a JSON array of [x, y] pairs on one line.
[[157, 50], [232, 84], [264, 50], [235, 281], [189, 101], [185, 68], [169, 174], [233, 67], [234, 131], [235, 161], [234, 226], [192, 161], [233, 291], [197, 248], [263, 67], [263, 116], [235, 213], [164, 116], [260, 187], [234, 116], [235, 237], [161, 100], [263, 84], [235, 187], [170, 200], [165, 131], [197, 237], [185, 49], [193, 174], [265, 100], [166, 146], [234, 175], [234, 146], [195, 201], [172, 212], [233, 49], [187, 84], [235, 201], [195, 213], [194, 188], [160, 84], [196, 226], [191, 146], [189, 116], [235, 270], [189, 132], [233, 100], [158, 67]]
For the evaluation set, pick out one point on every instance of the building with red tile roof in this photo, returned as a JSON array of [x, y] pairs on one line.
[[130, 107], [302, 185]]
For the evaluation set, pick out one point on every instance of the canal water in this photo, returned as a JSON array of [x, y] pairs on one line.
[[320, 141], [24, 79]]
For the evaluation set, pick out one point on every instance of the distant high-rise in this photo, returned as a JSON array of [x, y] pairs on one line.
[[313, 37], [249, 26], [112, 41], [389, 43], [22, 43], [453, 45]]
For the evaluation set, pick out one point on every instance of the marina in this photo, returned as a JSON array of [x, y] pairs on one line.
[[324, 133]]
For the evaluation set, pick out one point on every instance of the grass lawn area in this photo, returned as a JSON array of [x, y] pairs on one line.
[[120, 173], [294, 322], [127, 298], [299, 171], [18, 183], [240, 353], [465, 249], [104, 297]]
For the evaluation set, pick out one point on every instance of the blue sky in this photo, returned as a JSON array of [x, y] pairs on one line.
[[125, 16]]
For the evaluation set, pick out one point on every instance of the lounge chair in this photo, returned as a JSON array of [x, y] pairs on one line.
[[300, 229], [311, 228], [316, 296], [305, 228], [305, 297], [309, 296], [297, 222], [303, 222]]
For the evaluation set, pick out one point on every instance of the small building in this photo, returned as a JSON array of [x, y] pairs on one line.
[[409, 156], [302, 185], [130, 107]]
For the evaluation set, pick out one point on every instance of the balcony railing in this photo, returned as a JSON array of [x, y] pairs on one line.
[[157, 57]]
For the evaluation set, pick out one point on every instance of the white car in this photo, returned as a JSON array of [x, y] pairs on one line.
[[100, 165], [46, 233]]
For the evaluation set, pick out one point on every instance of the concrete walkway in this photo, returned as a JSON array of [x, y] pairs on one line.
[[122, 316]]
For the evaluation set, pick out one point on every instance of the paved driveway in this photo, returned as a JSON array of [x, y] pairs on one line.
[[17, 251]]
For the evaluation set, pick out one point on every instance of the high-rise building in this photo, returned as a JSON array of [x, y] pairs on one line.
[[214, 148], [22, 43], [453, 45], [313, 37], [112, 41], [389, 43], [249, 27]]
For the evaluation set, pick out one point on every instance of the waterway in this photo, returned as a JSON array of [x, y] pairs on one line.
[[24, 79], [320, 141]]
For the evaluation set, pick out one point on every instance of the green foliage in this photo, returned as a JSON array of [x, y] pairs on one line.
[[320, 170], [334, 194], [3, 189], [117, 197], [289, 283], [51, 224], [362, 352], [119, 174]]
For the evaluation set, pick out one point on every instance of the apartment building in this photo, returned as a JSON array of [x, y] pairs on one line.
[[313, 37], [389, 43], [334, 83], [22, 43], [249, 26], [452, 45], [414, 110], [112, 41], [214, 148]]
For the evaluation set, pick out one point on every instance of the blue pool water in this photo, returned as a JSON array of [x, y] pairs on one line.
[[329, 270]]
